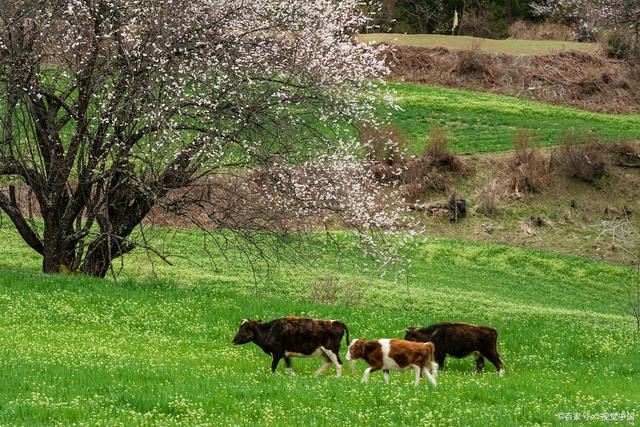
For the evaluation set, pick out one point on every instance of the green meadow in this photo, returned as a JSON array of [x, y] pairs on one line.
[[482, 122], [154, 347]]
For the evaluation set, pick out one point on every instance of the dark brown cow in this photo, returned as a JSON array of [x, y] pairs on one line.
[[460, 340], [296, 337], [394, 354]]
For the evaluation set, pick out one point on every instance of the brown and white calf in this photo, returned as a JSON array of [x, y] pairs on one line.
[[460, 340], [296, 337], [394, 354]]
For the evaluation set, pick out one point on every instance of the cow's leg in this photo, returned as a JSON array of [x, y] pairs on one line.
[[365, 377], [326, 362], [434, 369], [430, 372], [440, 359], [334, 358], [275, 361], [479, 361], [287, 362], [386, 376], [418, 371], [494, 358]]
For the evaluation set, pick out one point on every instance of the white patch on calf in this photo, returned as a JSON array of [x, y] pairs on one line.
[[365, 377], [388, 362]]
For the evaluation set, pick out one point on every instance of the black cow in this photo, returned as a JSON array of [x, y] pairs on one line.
[[460, 340], [296, 337]]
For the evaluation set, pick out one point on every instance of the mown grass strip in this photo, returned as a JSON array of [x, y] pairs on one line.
[[508, 46]]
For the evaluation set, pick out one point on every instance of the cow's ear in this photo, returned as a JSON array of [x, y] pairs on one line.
[[410, 329]]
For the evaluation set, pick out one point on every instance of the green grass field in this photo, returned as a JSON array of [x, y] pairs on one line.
[[482, 122], [509, 46], [145, 351]]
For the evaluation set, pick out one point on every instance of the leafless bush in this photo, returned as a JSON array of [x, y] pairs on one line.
[[489, 197], [438, 144], [530, 168], [541, 31], [431, 172], [423, 177], [438, 152], [579, 156], [474, 61], [332, 290]]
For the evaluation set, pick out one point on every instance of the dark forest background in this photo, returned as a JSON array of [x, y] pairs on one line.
[[480, 18]]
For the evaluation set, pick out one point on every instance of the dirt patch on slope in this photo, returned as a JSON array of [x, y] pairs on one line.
[[566, 216], [574, 79]]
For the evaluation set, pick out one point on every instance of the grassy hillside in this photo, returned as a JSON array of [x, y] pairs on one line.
[[509, 46], [147, 351], [481, 122]]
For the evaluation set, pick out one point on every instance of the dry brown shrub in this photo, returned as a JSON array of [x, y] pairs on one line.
[[434, 171], [332, 290], [412, 192], [438, 144], [579, 156], [438, 152], [541, 31], [530, 170], [489, 197], [474, 61]]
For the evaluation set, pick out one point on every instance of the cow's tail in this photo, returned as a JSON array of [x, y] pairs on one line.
[[346, 331], [351, 361]]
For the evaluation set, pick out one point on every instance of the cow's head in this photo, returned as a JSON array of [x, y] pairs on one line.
[[355, 351], [415, 334], [246, 332]]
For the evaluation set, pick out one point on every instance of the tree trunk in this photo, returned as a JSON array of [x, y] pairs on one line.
[[98, 259], [127, 207], [52, 253]]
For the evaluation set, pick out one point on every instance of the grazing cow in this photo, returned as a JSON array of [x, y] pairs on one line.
[[460, 340], [296, 337], [394, 354]]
